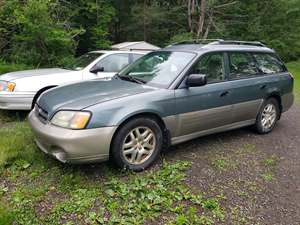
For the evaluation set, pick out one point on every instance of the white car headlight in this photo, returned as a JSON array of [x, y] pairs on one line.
[[71, 119], [7, 86]]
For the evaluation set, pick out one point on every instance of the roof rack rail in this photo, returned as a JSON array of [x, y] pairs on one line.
[[253, 43], [219, 42], [198, 41]]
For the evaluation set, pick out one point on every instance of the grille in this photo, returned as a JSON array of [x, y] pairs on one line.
[[41, 114]]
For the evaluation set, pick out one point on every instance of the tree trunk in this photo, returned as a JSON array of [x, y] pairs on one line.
[[201, 18], [144, 20], [190, 16]]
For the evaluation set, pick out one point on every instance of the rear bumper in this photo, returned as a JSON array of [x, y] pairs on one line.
[[72, 146], [16, 101], [287, 101]]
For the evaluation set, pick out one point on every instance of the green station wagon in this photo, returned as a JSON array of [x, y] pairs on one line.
[[184, 91]]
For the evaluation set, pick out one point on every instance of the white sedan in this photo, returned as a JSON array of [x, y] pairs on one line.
[[20, 90]]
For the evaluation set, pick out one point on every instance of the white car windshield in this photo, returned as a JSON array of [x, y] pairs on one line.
[[158, 69], [83, 61]]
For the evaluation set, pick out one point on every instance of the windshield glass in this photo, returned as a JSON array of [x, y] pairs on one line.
[[158, 68], [83, 61]]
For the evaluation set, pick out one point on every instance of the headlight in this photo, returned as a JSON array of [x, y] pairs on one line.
[[7, 86], [71, 119]]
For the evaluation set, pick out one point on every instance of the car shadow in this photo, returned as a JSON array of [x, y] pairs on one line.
[[13, 116]]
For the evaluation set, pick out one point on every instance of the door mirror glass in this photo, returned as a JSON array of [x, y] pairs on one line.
[[96, 69], [196, 80]]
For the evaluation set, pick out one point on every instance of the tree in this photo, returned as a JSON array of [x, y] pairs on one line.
[[35, 34]]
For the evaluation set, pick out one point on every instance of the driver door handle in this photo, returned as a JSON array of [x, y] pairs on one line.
[[262, 87], [225, 93]]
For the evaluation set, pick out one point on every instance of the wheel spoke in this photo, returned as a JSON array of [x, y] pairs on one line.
[[132, 135], [148, 146], [148, 138], [129, 144], [129, 151], [133, 156], [139, 156], [139, 145]]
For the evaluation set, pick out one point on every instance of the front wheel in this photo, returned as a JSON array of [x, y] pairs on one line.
[[137, 144], [268, 116]]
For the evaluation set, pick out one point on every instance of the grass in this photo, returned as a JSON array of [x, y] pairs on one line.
[[16, 142], [294, 68]]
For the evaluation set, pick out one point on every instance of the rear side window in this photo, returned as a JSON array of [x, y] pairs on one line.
[[269, 63], [242, 65]]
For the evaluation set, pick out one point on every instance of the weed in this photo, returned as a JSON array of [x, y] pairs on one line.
[[268, 177]]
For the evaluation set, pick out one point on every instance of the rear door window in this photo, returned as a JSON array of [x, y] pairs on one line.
[[269, 63], [242, 65]]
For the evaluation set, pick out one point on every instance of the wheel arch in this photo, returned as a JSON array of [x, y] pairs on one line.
[[276, 95], [151, 115]]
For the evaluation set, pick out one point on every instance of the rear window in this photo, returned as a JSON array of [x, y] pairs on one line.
[[269, 63]]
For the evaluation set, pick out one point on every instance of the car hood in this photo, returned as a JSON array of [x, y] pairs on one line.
[[31, 73], [81, 95]]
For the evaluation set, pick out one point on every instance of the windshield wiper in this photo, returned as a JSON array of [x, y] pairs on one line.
[[131, 78]]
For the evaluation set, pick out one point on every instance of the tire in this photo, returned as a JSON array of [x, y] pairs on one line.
[[267, 116], [137, 144]]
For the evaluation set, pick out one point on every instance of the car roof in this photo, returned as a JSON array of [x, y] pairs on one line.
[[200, 48], [119, 51]]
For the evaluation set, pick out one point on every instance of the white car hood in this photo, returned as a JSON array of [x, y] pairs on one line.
[[32, 73]]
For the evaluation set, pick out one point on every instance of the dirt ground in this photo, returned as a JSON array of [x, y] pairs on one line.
[[258, 176]]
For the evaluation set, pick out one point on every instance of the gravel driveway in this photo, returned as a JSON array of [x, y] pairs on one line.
[[257, 176]]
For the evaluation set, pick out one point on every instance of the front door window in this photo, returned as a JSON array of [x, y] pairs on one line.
[[212, 65]]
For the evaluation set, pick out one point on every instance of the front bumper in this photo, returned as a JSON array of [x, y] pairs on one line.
[[16, 101], [72, 146]]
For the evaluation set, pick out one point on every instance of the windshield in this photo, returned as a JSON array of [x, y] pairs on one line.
[[158, 68], [83, 61]]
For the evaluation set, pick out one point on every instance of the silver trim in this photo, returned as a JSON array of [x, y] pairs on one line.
[[177, 140]]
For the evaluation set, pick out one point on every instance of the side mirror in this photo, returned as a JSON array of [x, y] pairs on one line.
[[196, 80], [96, 69]]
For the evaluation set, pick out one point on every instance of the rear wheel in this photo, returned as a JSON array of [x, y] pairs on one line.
[[268, 116], [137, 144]]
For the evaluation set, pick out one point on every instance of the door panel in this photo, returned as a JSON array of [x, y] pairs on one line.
[[248, 88], [202, 108], [208, 106]]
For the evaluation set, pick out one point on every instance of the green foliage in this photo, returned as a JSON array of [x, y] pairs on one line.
[[268, 177], [275, 22], [48, 33], [41, 35], [6, 216], [10, 67], [16, 142], [181, 37], [294, 68]]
